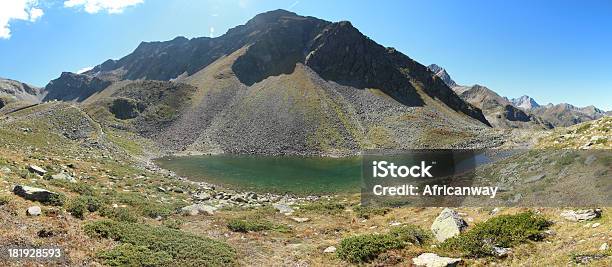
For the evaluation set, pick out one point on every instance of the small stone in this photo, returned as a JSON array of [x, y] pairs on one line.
[[604, 246], [433, 260], [34, 211], [501, 252], [202, 196], [161, 189], [300, 220], [330, 249], [595, 225], [535, 178], [196, 209], [395, 223]]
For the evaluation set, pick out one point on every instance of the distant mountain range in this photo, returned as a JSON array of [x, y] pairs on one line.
[[519, 112]]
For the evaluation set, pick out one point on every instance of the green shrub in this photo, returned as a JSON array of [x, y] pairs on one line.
[[173, 223], [132, 255], [368, 212], [155, 210], [365, 248], [327, 207], [410, 234], [502, 231], [255, 225], [118, 214], [77, 207], [58, 199], [184, 248], [80, 187]]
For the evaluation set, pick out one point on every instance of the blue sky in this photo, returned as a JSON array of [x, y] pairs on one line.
[[555, 51]]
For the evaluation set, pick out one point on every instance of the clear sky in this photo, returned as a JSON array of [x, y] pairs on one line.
[[553, 50]]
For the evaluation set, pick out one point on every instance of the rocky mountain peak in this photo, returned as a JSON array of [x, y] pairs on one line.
[[524, 102], [441, 72]]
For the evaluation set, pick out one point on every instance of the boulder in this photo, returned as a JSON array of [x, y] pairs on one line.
[[38, 170], [433, 260], [63, 176], [447, 225], [330, 249], [35, 194], [581, 215], [283, 208], [196, 209], [202, 196], [33, 211]]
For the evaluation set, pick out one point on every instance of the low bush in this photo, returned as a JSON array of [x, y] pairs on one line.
[[254, 225], [132, 255], [365, 248], [368, 212], [118, 214], [185, 249], [502, 231], [326, 207]]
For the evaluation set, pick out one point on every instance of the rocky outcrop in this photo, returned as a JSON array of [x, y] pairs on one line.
[[581, 215], [36, 194], [433, 260], [74, 87], [448, 224], [442, 74], [19, 91]]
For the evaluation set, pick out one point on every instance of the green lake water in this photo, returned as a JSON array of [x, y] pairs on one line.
[[275, 174]]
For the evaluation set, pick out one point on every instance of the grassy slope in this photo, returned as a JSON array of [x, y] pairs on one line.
[[111, 174]]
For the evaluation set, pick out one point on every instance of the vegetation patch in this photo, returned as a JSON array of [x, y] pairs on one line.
[[325, 207], [156, 242], [254, 225], [365, 248], [132, 255], [503, 231], [368, 212]]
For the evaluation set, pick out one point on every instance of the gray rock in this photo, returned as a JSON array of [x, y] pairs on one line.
[[300, 220], [535, 178], [447, 225], [501, 252], [196, 209], [35, 194], [283, 208], [433, 260], [604, 246], [581, 215], [64, 177], [38, 170], [330, 249], [201, 196], [34, 211]]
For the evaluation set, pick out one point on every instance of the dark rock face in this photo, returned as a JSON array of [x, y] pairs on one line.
[[74, 87], [276, 41], [3, 102], [514, 114], [125, 108]]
